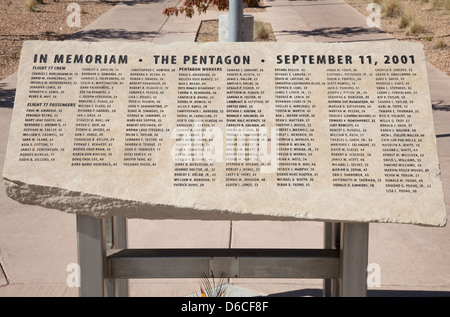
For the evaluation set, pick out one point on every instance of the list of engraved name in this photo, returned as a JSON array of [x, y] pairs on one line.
[[112, 111]]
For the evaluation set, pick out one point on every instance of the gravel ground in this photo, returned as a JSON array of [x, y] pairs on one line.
[[47, 22], [436, 22]]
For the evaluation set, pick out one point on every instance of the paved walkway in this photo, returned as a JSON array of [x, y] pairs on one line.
[[37, 244]]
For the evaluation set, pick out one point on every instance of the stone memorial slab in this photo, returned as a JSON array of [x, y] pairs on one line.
[[282, 131]]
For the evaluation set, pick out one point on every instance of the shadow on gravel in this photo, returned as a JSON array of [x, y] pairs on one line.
[[6, 97], [112, 34]]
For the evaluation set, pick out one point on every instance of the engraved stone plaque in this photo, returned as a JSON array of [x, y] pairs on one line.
[[282, 131]]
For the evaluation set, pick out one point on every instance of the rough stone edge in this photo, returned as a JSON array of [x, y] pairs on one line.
[[103, 207], [80, 203]]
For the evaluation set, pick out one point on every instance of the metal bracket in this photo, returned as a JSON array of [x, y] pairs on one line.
[[228, 266]]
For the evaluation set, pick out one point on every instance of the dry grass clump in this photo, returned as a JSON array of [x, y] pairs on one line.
[[440, 44], [260, 31], [406, 19], [416, 27], [424, 21], [30, 5], [440, 5], [391, 8], [411, 23], [446, 5]]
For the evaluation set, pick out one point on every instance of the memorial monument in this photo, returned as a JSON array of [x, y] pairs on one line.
[[283, 131]]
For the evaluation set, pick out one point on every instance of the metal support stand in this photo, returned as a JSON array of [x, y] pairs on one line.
[[354, 256], [331, 240], [106, 264], [116, 238], [91, 256], [352, 239], [97, 237]]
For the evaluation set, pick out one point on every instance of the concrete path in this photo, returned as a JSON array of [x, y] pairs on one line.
[[37, 244]]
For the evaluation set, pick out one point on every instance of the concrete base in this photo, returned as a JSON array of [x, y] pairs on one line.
[[247, 28]]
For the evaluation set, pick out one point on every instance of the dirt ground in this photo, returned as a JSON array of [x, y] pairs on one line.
[[48, 21], [436, 23]]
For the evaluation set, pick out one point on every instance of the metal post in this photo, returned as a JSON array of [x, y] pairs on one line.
[[353, 259], [120, 242], [91, 256], [236, 13], [109, 245], [116, 238], [327, 238], [331, 241]]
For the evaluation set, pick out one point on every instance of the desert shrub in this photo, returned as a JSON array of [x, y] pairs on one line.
[[260, 31], [440, 5], [416, 27], [30, 5], [391, 8], [406, 19], [435, 4], [439, 44]]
